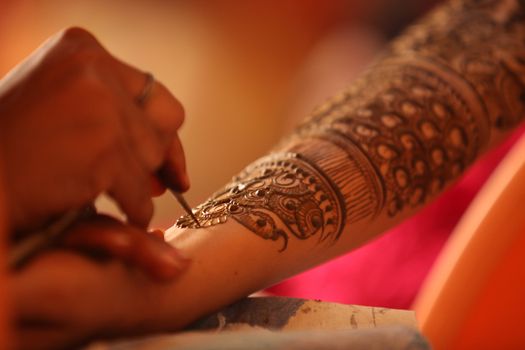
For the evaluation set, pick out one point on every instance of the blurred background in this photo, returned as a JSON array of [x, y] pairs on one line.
[[245, 71]]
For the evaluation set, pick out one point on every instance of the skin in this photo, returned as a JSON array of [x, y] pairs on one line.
[[443, 93], [69, 92], [5, 314], [71, 128]]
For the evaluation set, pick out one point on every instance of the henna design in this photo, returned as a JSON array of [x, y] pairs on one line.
[[277, 196], [417, 131], [426, 110], [483, 41], [398, 135]]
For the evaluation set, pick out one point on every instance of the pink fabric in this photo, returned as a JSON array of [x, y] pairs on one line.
[[390, 270]]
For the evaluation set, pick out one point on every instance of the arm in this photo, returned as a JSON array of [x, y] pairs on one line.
[[444, 92]]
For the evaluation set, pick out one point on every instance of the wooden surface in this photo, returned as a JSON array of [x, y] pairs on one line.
[[284, 314], [289, 323], [392, 338]]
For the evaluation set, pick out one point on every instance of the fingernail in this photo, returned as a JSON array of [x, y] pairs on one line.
[[157, 233]]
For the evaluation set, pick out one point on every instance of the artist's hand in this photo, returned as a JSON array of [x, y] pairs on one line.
[[63, 298], [71, 128], [104, 238]]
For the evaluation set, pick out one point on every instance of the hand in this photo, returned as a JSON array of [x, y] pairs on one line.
[[70, 129], [63, 298], [103, 237]]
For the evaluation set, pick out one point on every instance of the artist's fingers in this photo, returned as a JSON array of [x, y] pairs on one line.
[[161, 108], [146, 143], [138, 248], [173, 172], [157, 258], [157, 233], [145, 140], [165, 113], [164, 110], [99, 237], [131, 189]]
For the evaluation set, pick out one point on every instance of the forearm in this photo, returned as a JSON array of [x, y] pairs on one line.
[[442, 94]]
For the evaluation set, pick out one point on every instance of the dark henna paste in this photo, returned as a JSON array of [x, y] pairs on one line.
[[277, 196]]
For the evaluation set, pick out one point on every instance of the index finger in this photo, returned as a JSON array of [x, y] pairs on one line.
[[173, 173], [167, 115]]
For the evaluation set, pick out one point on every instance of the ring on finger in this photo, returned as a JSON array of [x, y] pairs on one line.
[[145, 94]]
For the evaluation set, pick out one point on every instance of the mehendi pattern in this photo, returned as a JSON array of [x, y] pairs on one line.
[[277, 196], [401, 133], [416, 128], [483, 41]]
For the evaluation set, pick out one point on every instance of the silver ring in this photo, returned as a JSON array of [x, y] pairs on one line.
[[146, 90]]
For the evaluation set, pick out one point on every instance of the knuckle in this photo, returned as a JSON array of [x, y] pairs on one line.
[[81, 48], [77, 35]]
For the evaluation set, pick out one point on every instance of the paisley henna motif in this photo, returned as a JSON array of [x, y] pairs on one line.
[[277, 196]]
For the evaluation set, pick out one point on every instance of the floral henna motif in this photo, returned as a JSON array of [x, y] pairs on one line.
[[277, 196]]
